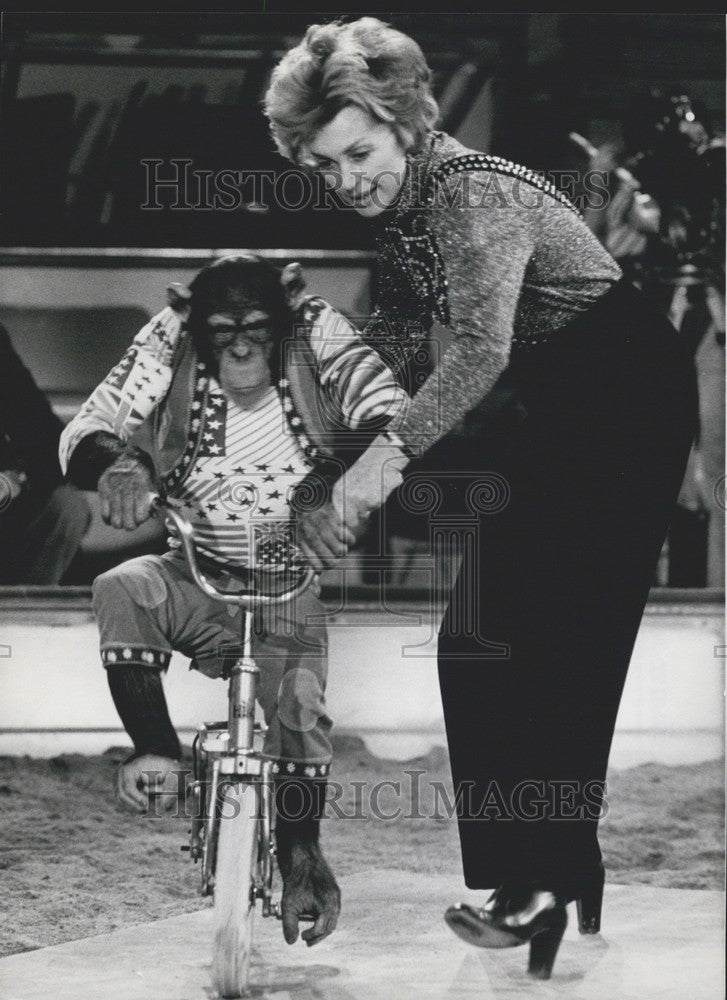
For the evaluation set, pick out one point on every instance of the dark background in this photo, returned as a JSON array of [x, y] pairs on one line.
[[86, 97]]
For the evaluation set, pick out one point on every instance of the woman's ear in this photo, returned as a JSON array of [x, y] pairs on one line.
[[293, 284], [179, 297]]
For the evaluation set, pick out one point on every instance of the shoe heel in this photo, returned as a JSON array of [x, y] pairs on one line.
[[590, 903], [543, 949]]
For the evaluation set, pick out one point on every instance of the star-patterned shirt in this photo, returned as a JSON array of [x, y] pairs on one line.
[[239, 488], [241, 456]]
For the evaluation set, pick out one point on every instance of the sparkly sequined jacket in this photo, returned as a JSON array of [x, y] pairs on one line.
[[490, 251]]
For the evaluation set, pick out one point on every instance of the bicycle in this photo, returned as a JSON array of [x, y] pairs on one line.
[[232, 792]]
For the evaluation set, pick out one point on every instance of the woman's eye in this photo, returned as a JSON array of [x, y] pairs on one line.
[[359, 157]]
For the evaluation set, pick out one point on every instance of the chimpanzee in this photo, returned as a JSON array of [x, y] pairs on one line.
[[247, 384]]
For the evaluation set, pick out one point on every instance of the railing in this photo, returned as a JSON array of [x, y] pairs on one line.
[[662, 600], [107, 257]]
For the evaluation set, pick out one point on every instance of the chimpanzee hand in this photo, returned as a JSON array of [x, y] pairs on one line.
[[309, 888], [124, 489], [148, 777]]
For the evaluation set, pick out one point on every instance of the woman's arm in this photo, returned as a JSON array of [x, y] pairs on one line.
[[485, 226], [485, 237]]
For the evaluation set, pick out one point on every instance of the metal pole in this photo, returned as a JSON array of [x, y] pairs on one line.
[[243, 680]]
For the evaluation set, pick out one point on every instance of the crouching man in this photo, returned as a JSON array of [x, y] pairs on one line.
[[249, 387]]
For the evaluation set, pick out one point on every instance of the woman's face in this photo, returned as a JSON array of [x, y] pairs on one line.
[[360, 158]]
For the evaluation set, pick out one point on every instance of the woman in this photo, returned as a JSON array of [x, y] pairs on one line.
[[580, 490]]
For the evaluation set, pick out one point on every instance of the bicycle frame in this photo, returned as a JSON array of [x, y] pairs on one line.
[[228, 748]]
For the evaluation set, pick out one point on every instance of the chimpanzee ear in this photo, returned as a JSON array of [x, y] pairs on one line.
[[179, 298], [293, 284]]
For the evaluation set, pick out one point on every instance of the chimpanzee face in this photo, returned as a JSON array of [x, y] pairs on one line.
[[239, 310], [242, 343]]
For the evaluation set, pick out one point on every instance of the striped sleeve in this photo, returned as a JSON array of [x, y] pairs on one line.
[[132, 389], [357, 380]]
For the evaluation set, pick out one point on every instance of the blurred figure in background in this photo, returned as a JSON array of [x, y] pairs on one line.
[[663, 219], [664, 223], [42, 520]]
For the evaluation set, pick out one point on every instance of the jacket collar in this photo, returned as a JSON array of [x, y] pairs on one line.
[[417, 192]]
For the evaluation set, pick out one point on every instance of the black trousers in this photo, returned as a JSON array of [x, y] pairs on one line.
[[535, 644]]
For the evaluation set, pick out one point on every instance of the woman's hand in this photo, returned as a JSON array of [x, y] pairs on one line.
[[325, 535], [322, 537], [369, 482]]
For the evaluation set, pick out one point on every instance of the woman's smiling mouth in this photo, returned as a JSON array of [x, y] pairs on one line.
[[364, 199]]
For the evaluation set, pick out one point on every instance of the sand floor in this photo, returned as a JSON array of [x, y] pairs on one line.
[[74, 864]]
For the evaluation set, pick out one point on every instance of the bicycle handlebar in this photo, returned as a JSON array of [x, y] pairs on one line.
[[247, 600]]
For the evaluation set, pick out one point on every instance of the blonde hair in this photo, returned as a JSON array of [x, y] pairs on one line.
[[365, 63]]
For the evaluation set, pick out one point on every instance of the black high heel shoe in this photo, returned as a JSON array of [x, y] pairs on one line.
[[516, 914], [511, 917]]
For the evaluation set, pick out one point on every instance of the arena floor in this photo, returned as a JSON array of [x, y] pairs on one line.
[[393, 945], [100, 904]]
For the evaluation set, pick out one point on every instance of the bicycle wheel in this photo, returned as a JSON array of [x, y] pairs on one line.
[[237, 847]]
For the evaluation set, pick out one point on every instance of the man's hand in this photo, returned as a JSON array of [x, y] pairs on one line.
[[124, 489], [145, 778], [309, 888], [12, 483]]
